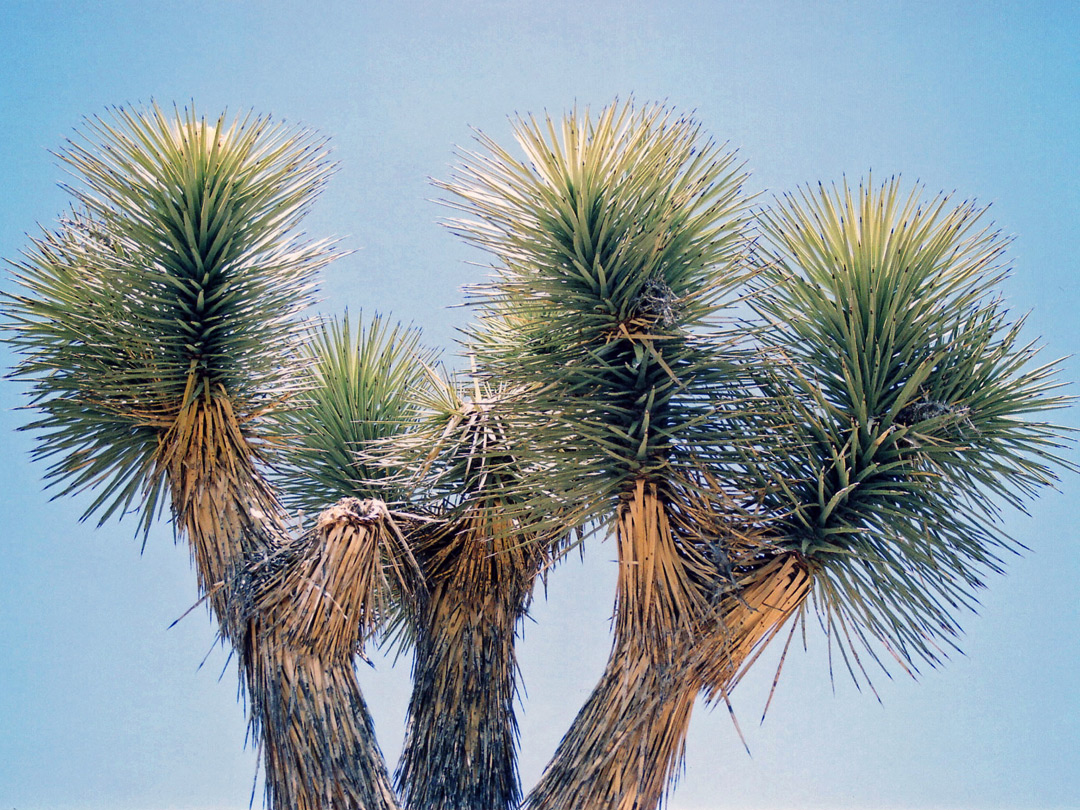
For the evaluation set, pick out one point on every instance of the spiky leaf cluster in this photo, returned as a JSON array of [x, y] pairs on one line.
[[616, 239], [180, 275], [462, 451], [908, 406], [364, 388]]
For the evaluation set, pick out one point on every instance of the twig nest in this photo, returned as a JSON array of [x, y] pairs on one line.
[[352, 512], [657, 303]]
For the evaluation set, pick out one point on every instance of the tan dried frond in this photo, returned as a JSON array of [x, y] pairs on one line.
[[627, 743], [656, 594], [748, 619], [220, 502], [326, 591]]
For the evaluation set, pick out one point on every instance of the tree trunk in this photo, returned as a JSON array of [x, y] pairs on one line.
[[461, 741], [627, 743], [305, 709]]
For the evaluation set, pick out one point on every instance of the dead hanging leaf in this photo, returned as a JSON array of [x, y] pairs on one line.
[[698, 569]]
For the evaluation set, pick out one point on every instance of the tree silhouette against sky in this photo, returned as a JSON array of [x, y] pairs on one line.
[[812, 410]]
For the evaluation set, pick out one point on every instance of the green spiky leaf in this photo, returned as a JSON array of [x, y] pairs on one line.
[[180, 274], [908, 408], [366, 385], [617, 239]]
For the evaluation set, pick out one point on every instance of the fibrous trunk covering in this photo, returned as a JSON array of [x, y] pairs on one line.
[[315, 730], [628, 741], [461, 740], [292, 610], [310, 603], [220, 502]]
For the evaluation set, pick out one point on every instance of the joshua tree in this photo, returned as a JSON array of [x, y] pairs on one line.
[[813, 406], [377, 421], [159, 326], [616, 243], [854, 457]]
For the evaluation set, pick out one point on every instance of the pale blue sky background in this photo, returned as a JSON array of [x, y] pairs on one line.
[[102, 707]]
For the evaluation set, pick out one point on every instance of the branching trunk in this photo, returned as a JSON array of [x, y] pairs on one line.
[[291, 609], [310, 605], [627, 743]]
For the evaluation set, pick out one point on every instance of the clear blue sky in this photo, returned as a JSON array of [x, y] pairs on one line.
[[102, 707]]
